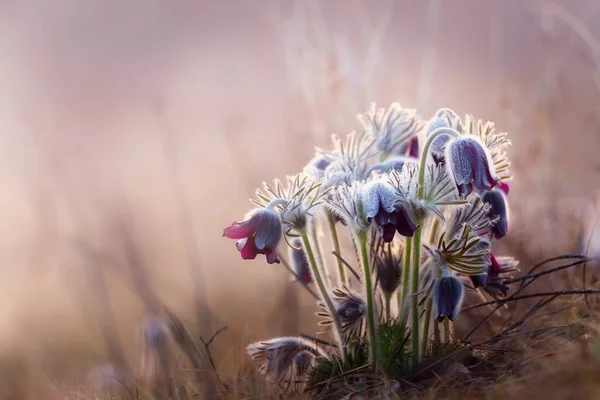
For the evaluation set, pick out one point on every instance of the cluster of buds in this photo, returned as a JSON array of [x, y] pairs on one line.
[[423, 200]]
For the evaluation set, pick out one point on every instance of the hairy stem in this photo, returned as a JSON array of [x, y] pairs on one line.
[[405, 276], [415, 297], [336, 246], [373, 342], [446, 330], [388, 305], [426, 326], [319, 280]]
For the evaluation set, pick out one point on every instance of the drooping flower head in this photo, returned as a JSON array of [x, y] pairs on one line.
[[498, 211], [470, 165], [448, 295], [389, 209], [259, 233]]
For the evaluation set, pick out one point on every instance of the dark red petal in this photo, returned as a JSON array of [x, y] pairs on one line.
[[504, 187], [495, 267], [249, 251], [413, 147], [272, 257], [405, 225], [238, 230], [389, 230]]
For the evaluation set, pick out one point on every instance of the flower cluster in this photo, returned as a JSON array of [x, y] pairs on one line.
[[422, 200]]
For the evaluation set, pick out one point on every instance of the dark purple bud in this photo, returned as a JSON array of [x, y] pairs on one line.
[[497, 289], [470, 165], [413, 147], [300, 263], [448, 294], [389, 272], [498, 210], [384, 205], [479, 280], [321, 163], [259, 234]]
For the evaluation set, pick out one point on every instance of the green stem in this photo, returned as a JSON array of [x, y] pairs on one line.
[[415, 297], [405, 276], [434, 135], [373, 342], [336, 246], [388, 301], [324, 294], [446, 330], [426, 326], [417, 239], [319, 256]]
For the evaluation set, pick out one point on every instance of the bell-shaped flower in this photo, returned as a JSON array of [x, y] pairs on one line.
[[498, 211], [259, 233], [448, 295], [389, 209], [470, 164]]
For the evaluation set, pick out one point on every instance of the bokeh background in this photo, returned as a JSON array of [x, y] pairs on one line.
[[132, 132]]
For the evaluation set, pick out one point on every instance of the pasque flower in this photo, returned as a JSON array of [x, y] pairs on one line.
[[498, 211], [469, 163], [389, 209], [259, 233], [448, 295]]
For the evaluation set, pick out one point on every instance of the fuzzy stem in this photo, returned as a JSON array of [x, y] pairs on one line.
[[426, 326], [434, 135], [274, 203], [373, 342], [415, 297], [388, 305], [324, 294], [336, 246], [417, 239], [436, 333], [319, 256], [405, 276], [446, 330]]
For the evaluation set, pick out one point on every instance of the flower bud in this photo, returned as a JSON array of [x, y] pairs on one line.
[[448, 295], [498, 211]]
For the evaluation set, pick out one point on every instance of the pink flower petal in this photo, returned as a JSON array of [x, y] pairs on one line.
[[238, 230], [249, 251]]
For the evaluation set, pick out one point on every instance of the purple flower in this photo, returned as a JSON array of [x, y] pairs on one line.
[[259, 234], [448, 294], [388, 208], [498, 210], [470, 165]]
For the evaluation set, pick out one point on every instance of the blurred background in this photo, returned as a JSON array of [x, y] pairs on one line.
[[132, 132]]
